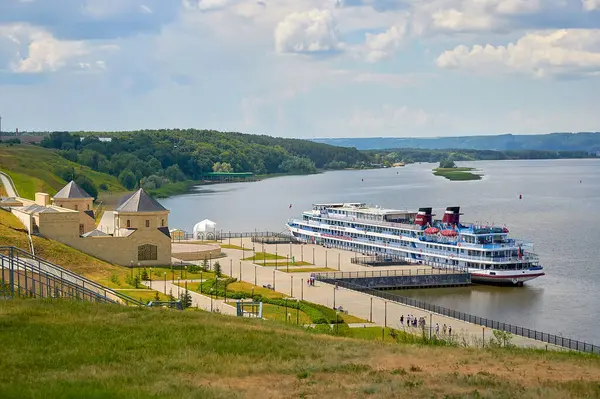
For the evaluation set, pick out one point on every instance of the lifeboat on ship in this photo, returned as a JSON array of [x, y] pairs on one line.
[[432, 230], [505, 230], [449, 233]]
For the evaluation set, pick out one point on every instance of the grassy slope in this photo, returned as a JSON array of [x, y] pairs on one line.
[[76, 350], [457, 174], [31, 168], [12, 232]]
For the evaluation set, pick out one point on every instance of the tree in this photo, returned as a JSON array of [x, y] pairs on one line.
[[156, 296], [186, 299], [447, 163], [87, 185], [145, 276], [217, 269], [223, 167], [127, 179]]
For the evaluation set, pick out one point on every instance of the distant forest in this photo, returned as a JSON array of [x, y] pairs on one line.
[[412, 155], [589, 142], [160, 157], [163, 156]]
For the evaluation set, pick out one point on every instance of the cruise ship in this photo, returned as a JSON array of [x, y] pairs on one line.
[[485, 251]]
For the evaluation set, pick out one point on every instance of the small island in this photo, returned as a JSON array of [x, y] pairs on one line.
[[450, 171]]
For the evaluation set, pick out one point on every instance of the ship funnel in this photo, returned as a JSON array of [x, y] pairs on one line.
[[452, 215], [423, 217]]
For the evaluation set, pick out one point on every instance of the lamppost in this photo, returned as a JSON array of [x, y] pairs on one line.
[[276, 256], [230, 267], [150, 278], [185, 273], [291, 252], [253, 254], [325, 258], [371, 311], [334, 297], [273, 280], [339, 262], [254, 274], [240, 270], [165, 273], [301, 289], [292, 286]]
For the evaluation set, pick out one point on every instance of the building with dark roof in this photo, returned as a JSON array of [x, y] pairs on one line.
[[73, 197]]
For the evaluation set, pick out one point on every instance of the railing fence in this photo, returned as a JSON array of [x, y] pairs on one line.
[[482, 321]]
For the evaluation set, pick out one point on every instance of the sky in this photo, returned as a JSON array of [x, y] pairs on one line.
[[302, 68]]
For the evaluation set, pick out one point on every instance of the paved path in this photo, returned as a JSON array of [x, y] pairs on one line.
[[11, 191], [377, 310], [199, 300]]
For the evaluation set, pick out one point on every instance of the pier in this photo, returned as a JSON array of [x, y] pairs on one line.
[[397, 279]]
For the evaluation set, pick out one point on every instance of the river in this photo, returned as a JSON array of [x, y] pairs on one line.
[[559, 212]]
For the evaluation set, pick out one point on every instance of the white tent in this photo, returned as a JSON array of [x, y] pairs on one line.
[[204, 227]]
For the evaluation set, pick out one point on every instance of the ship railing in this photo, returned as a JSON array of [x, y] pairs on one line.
[[389, 273], [369, 221], [551, 339]]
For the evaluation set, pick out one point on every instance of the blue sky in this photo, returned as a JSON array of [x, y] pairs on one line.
[[302, 68]]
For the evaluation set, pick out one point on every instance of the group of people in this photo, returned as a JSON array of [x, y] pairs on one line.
[[412, 321], [310, 281]]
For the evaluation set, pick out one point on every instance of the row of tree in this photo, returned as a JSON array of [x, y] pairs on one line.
[[162, 156]]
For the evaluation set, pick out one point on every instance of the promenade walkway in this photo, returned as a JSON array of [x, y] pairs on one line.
[[377, 310]]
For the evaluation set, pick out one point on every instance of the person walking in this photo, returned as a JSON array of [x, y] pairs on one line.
[[402, 320], [437, 329], [450, 331], [444, 329]]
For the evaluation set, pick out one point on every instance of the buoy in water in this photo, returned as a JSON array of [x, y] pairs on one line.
[[520, 196], [362, 179]]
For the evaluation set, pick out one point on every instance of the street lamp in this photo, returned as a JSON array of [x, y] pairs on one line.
[[150, 277], [240, 270], [292, 286], [254, 274], [230, 267], [273, 280], [165, 273]]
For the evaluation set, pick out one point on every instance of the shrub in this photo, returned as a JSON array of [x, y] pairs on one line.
[[115, 279]]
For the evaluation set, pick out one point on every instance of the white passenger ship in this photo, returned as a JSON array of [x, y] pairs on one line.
[[487, 252]]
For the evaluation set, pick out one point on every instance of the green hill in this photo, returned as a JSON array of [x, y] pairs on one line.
[[83, 350], [34, 169]]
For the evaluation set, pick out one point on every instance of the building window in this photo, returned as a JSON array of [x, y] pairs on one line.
[[81, 229], [76, 207], [88, 207], [128, 223], [147, 252], [162, 222], [147, 223]]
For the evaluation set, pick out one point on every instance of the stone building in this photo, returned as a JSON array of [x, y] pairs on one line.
[[75, 198], [135, 233]]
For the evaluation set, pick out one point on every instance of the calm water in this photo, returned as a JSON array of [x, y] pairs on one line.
[[557, 212]]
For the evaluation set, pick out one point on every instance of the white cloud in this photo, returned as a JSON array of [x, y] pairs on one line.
[[566, 52], [430, 16], [205, 5], [44, 52], [383, 45], [307, 32], [590, 5]]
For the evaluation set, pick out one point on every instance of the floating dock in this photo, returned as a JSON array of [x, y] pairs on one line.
[[398, 279]]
